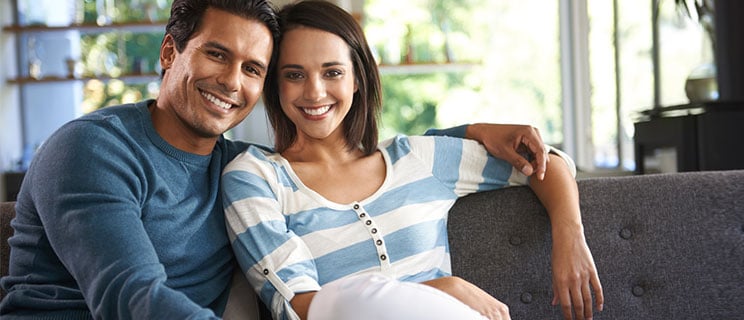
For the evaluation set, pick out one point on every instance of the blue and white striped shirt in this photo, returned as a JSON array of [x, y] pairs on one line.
[[289, 239]]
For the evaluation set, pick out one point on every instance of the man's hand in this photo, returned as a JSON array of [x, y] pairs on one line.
[[512, 143]]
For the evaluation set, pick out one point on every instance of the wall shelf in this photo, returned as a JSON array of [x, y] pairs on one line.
[[143, 26], [136, 27], [124, 77]]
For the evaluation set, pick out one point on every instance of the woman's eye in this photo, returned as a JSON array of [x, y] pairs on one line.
[[293, 75], [334, 73]]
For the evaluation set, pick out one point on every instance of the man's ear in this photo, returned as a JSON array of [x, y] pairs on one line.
[[167, 52]]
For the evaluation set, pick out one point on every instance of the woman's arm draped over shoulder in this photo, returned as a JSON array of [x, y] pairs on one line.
[[574, 271], [520, 145]]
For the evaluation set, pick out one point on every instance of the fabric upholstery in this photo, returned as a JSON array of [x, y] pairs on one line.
[[667, 246], [7, 213]]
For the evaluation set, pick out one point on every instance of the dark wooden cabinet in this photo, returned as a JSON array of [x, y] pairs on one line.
[[12, 184], [707, 136]]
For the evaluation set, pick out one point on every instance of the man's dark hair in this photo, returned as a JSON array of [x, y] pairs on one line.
[[186, 16]]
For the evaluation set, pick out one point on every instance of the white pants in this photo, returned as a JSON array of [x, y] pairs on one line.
[[377, 297]]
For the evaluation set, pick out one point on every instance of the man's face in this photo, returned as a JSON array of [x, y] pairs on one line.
[[215, 82]]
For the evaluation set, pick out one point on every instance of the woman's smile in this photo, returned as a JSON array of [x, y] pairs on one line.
[[316, 111]]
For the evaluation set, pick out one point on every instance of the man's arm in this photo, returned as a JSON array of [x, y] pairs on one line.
[[88, 201], [520, 145]]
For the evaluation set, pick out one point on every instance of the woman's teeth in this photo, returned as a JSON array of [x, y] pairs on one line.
[[316, 111], [218, 102]]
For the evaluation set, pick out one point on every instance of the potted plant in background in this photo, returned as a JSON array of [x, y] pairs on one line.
[[701, 84]]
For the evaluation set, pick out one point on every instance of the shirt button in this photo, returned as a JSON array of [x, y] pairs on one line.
[[362, 215], [383, 257], [379, 242], [356, 207], [266, 271], [374, 230], [368, 222]]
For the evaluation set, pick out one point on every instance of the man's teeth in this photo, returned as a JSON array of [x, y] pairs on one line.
[[316, 111], [213, 99]]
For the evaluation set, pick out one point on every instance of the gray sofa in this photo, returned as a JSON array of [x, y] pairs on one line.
[[667, 246]]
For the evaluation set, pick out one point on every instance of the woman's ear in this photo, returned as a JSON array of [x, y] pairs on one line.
[[167, 52]]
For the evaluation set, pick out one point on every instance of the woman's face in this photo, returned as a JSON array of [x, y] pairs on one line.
[[316, 81]]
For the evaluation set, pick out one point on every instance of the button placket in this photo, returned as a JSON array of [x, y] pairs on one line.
[[375, 234]]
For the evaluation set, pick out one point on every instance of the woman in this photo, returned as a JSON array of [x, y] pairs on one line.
[[333, 226]]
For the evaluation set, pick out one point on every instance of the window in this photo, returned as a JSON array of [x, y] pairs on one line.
[[482, 62], [580, 71]]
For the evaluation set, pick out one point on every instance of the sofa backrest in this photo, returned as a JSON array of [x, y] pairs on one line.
[[666, 246]]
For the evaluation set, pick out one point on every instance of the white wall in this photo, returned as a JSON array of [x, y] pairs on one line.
[[255, 128], [46, 106], [10, 117]]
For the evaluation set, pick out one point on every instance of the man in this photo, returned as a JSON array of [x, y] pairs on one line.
[[119, 216]]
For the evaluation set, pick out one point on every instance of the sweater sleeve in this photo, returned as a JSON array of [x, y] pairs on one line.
[[88, 189], [275, 259]]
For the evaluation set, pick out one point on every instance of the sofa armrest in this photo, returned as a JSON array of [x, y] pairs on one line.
[[7, 213]]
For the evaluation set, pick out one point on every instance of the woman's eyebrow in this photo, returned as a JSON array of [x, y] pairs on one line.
[[292, 66]]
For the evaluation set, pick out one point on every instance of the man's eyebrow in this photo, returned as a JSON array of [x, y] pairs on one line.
[[216, 45]]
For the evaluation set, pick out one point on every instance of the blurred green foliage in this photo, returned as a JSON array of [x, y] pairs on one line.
[[122, 52], [410, 101]]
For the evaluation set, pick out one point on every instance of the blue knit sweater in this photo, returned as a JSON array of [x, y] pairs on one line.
[[115, 223]]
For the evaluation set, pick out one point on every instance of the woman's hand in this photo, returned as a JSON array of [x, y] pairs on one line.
[[512, 143], [472, 296], [574, 275], [574, 272]]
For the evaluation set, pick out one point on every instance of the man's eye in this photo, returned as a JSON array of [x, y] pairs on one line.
[[252, 70], [216, 54]]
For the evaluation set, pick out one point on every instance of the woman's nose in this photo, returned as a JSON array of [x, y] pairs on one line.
[[314, 89]]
